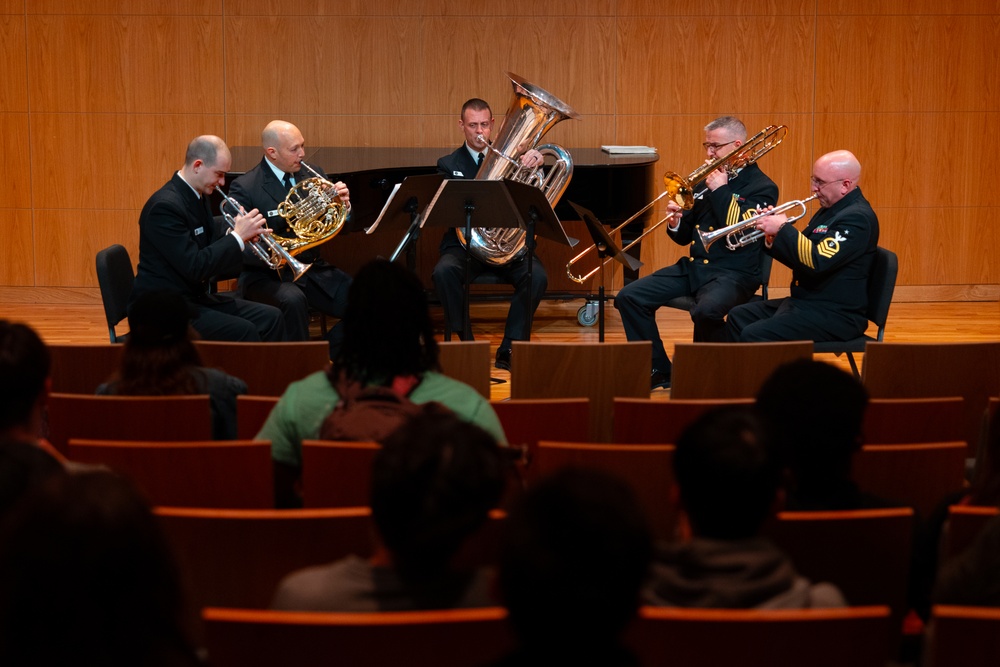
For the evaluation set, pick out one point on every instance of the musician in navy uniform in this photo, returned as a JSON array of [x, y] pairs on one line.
[[830, 259], [181, 249], [323, 287], [718, 278], [476, 121]]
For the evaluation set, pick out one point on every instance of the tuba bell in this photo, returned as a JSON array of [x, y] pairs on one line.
[[531, 114]]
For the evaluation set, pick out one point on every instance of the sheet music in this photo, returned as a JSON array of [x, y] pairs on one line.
[[427, 211], [392, 194]]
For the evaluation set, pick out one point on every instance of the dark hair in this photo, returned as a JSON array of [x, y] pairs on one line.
[[86, 578], [475, 104], [204, 148], [575, 550], [815, 411], [158, 354], [387, 326], [727, 473], [23, 466], [433, 484], [25, 366]]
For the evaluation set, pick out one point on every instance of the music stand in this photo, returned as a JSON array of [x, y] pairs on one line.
[[404, 209], [606, 247], [492, 205]]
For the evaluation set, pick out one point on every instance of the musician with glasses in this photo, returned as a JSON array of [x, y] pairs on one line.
[[476, 121], [830, 259], [323, 287], [718, 278], [181, 249]]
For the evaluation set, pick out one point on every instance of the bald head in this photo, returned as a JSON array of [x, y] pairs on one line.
[[283, 145], [834, 176]]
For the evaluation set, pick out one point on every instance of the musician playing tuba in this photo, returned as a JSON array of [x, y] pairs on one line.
[[266, 188], [718, 278], [476, 122]]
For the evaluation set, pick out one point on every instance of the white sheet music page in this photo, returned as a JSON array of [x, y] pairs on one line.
[[392, 194]]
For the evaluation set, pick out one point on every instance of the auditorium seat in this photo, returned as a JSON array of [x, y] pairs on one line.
[[445, 638], [855, 636], [966, 636], [337, 474], [127, 418], [468, 362], [891, 421], [643, 420], [729, 370], [229, 473], [79, 369], [598, 371], [919, 475], [267, 368], [648, 469], [964, 524], [526, 421], [251, 413]]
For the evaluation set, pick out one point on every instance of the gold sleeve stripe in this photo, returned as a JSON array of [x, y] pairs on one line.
[[733, 214], [805, 251], [828, 248]]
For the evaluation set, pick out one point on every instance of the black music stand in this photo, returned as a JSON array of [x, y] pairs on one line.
[[606, 247], [404, 210]]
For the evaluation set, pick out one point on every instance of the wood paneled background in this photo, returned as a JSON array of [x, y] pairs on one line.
[[98, 100]]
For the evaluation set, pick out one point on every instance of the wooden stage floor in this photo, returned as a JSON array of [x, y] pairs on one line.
[[556, 321]]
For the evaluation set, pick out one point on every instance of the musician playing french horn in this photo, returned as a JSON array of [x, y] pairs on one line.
[[476, 122], [830, 259], [717, 278], [265, 187]]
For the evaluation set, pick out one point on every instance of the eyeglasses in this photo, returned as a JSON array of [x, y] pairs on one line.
[[714, 147], [817, 183]]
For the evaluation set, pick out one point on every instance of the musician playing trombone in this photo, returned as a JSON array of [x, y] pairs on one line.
[[717, 278], [830, 261]]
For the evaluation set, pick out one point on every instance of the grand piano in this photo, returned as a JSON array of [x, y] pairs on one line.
[[614, 187]]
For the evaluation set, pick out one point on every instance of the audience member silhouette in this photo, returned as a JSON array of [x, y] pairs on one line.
[[159, 359], [727, 484], [434, 482], [388, 342], [86, 579], [574, 553], [23, 466]]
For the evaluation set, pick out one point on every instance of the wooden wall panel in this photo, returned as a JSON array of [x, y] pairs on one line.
[[133, 7], [66, 244], [913, 7], [12, 7], [13, 65], [418, 8], [911, 64], [130, 64], [714, 8], [109, 161], [18, 266], [14, 161]]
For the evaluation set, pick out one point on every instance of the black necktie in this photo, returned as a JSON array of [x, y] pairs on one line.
[[479, 160], [288, 181]]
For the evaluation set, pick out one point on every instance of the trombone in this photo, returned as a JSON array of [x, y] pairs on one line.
[[270, 251], [734, 234], [681, 190]]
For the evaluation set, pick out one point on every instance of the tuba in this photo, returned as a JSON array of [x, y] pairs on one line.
[[531, 114]]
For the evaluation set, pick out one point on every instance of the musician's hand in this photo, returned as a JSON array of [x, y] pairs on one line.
[[674, 212], [532, 159], [770, 224], [716, 179], [343, 194], [248, 226]]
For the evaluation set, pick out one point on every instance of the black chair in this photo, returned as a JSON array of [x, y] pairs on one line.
[[881, 285], [686, 302], [115, 277]]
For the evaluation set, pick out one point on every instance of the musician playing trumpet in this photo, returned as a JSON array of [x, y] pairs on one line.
[[717, 278], [830, 261]]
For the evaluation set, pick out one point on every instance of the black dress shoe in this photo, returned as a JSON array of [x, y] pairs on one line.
[[659, 380], [503, 359]]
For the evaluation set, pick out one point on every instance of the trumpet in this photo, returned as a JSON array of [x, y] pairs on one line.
[[270, 251], [681, 190], [734, 234]]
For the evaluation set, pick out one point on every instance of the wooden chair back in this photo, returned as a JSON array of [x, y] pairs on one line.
[[79, 369], [468, 362], [891, 421], [526, 421], [919, 475], [648, 469], [856, 636], [267, 368], [965, 522], [337, 474], [729, 370], [865, 553], [598, 371], [643, 420], [446, 638], [922, 370], [127, 418], [966, 636], [231, 473], [251, 413]]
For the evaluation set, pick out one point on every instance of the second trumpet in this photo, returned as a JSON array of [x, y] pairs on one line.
[[737, 234]]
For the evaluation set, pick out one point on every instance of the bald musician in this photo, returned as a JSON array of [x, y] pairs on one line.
[[830, 261]]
